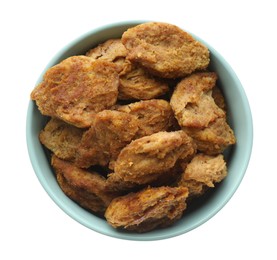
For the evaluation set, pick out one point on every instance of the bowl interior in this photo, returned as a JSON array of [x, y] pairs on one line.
[[239, 117]]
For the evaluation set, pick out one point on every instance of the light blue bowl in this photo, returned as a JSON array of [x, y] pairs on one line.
[[237, 157]]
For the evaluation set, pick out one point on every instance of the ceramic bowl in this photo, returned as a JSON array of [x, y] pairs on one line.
[[239, 117]]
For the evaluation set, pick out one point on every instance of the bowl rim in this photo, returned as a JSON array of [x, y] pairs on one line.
[[113, 233]]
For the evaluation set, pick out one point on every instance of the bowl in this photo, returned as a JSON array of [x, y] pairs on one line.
[[239, 117]]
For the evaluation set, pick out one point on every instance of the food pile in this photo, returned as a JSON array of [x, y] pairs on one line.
[[137, 126]]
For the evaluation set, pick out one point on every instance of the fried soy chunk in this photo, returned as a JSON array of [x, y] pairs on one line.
[[168, 178], [165, 50], [153, 116], [61, 138], [203, 172], [77, 88], [192, 101], [114, 51], [86, 188], [110, 132], [138, 84], [144, 160], [147, 209], [213, 139], [135, 82], [86, 200]]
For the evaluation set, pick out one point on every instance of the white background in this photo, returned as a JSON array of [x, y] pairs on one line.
[[33, 227]]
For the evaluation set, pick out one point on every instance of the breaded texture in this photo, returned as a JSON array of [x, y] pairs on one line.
[[138, 84], [168, 178], [202, 173], [153, 116], [61, 138], [213, 139], [84, 199], [148, 209], [114, 51], [146, 159], [192, 101], [135, 82], [110, 132], [86, 188], [77, 88], [199, 115], [165, 50]]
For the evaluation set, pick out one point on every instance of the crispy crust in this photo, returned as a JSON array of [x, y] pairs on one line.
[[77, 88], [192, 101], [148, 209], [213, 139], [153, 116], [138, 84], [165, 50], [202, 173], [83, 198], [110, 132], [146, 159], [86, 188], [114, 51], [135, 82], [61, 138]]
